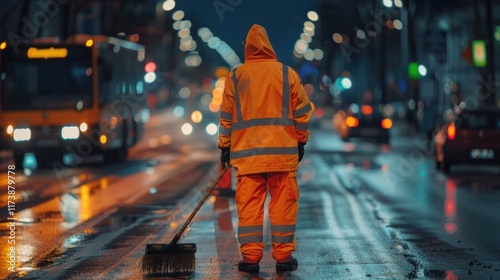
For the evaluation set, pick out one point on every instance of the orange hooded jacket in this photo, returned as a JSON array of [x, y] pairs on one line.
[[265, 111]]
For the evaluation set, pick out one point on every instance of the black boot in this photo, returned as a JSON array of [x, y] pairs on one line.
[[248, 267], [292, 264]]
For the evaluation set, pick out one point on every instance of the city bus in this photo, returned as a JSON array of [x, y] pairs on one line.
[[81, 96]]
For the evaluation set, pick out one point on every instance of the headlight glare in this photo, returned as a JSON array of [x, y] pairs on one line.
[[10, 129], [70, 132], [83, 127], [22, 134]]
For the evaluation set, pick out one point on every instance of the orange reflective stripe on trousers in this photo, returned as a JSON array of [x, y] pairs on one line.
[[251, 195]]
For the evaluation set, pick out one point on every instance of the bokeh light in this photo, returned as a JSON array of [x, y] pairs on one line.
[[196, 116], [168, 5], [312, 16], [212, 129], [179, 111], [337, 38], [213, 108], [398, 24], [150, 77], [187, 129], [184, 93], [318, 54], [178, 15], [346, 83], [309, 55], [309, 89]]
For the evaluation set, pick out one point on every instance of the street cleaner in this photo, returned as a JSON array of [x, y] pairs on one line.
[[263, 129]]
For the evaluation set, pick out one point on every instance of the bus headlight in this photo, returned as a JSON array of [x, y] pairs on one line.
[[22, 134], [70, 132], [10, 129], [83, 127]]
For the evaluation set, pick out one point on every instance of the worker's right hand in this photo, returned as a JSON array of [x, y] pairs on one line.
[[301, 150], [225, 157]]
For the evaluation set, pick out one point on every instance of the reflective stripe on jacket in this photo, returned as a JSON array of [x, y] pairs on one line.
[[265, 111]]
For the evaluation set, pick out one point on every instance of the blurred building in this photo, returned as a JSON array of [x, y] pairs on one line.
[[436, 55]]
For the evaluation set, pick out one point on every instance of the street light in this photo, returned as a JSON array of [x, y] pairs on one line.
[[168, 5], [422, 70], [312, 16]]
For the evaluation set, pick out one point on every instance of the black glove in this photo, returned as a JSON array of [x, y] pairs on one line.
[[225, 156], [301, 150]]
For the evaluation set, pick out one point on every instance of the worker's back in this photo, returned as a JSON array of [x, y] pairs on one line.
[[261, 102]]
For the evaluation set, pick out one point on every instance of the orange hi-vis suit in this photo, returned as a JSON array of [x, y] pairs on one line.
[[265, 114]]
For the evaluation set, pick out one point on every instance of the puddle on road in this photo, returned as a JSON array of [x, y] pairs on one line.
[[60, 251], [109, 224], [70, 208], [50, 218]]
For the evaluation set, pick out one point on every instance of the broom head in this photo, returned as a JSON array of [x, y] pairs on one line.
[[169, 259]]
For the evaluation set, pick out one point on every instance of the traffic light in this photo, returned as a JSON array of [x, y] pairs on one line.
[[150, 69], [479, 53], [413, 73]]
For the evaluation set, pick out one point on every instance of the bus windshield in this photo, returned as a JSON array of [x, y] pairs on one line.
[[46, 83]]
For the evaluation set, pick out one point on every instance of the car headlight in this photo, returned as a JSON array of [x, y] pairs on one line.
[[22, 134], [70, 132]]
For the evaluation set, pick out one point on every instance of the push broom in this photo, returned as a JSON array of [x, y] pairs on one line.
[[175, 258]]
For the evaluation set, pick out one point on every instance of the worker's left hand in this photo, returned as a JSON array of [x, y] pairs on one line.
[[225, 157]]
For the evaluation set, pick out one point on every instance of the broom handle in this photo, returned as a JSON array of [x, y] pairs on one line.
[[210, 189]]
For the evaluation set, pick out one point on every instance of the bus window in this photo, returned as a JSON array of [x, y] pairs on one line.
[[105, 83]]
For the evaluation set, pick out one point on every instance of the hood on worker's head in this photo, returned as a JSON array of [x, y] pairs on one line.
[[257, 44]]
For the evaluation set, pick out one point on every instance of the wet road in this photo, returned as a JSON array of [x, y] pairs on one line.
[[367, 211]]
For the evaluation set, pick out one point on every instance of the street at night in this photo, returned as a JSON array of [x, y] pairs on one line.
[[116, 118]]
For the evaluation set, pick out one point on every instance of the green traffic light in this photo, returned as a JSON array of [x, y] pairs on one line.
[[479, 53], [413, 73]]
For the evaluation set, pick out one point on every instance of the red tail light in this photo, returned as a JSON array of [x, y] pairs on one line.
[[351, 122], [451, 131], [366, 109]]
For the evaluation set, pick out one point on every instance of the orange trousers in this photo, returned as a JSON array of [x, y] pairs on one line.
[[251, 193]]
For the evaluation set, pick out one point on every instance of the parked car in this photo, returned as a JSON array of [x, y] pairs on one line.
[[473, 137], [365, 122]]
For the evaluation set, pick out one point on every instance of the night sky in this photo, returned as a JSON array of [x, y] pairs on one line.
[[283, 20]]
